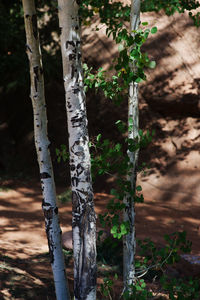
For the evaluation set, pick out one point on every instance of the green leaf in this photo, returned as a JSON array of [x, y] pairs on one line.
[[139, 188], [98, 137], [145, 23], [140, 132], [154, 30], [114, 229], [130, 121], [152, 64], [123, 229], [138, 80], [120, 47]]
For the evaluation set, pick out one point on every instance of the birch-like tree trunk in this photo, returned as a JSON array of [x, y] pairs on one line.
[[129, 242], [83, 214], [50, 209]]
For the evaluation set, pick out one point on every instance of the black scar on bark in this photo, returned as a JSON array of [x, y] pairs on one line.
[[72, 56], [82, 290], [35, 30], [80, 169], [45, 175], [36, 72], [75, 202], [49, 238], [56, 210], [72, 167], [39, 149], [76, 91], [26, 16], [76, 119], [36, 77], [79, 56], [73, 72], [48, 213], [45, 203], [70, 43], [69, 104], [28, 48], [35, 83], [75, 181]]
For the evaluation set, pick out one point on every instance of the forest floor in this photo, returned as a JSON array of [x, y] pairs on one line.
[[25, 271]]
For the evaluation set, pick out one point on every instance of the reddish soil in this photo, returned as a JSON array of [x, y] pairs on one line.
[[24, 265]]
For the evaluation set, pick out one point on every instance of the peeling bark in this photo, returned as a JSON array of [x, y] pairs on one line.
[[49, 207], [129, 242], [83, 214]]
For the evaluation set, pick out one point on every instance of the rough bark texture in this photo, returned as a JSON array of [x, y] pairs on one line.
[[83, 214], [50, 209], [129, 243]]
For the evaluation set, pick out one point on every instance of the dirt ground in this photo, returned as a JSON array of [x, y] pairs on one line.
[[24, 266]]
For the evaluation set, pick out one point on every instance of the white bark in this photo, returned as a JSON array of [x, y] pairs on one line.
[[50, 209], [129, 242], [83, 214]]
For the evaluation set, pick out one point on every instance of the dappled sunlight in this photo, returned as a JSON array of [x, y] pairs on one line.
[[158, 218]]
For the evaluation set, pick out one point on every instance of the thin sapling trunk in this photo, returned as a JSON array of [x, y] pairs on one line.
[[129, 242]]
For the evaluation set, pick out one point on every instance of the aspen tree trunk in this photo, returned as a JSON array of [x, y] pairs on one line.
[[83, 214], [129, 242], [50, 209]]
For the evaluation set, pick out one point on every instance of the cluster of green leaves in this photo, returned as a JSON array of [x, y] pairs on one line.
[[111, 158], [154, 258], [62, 153], [13, 59], [107, 286], [130, 54], [195, 18], [110, 13], [169, 6], [175, 289], [100, 80], [179, 289], [113, 14], [176, 243], [138, 291]]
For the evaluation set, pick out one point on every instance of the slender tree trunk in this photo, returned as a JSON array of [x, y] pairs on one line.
[[129, 243], [50, 209], [83, 214]]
